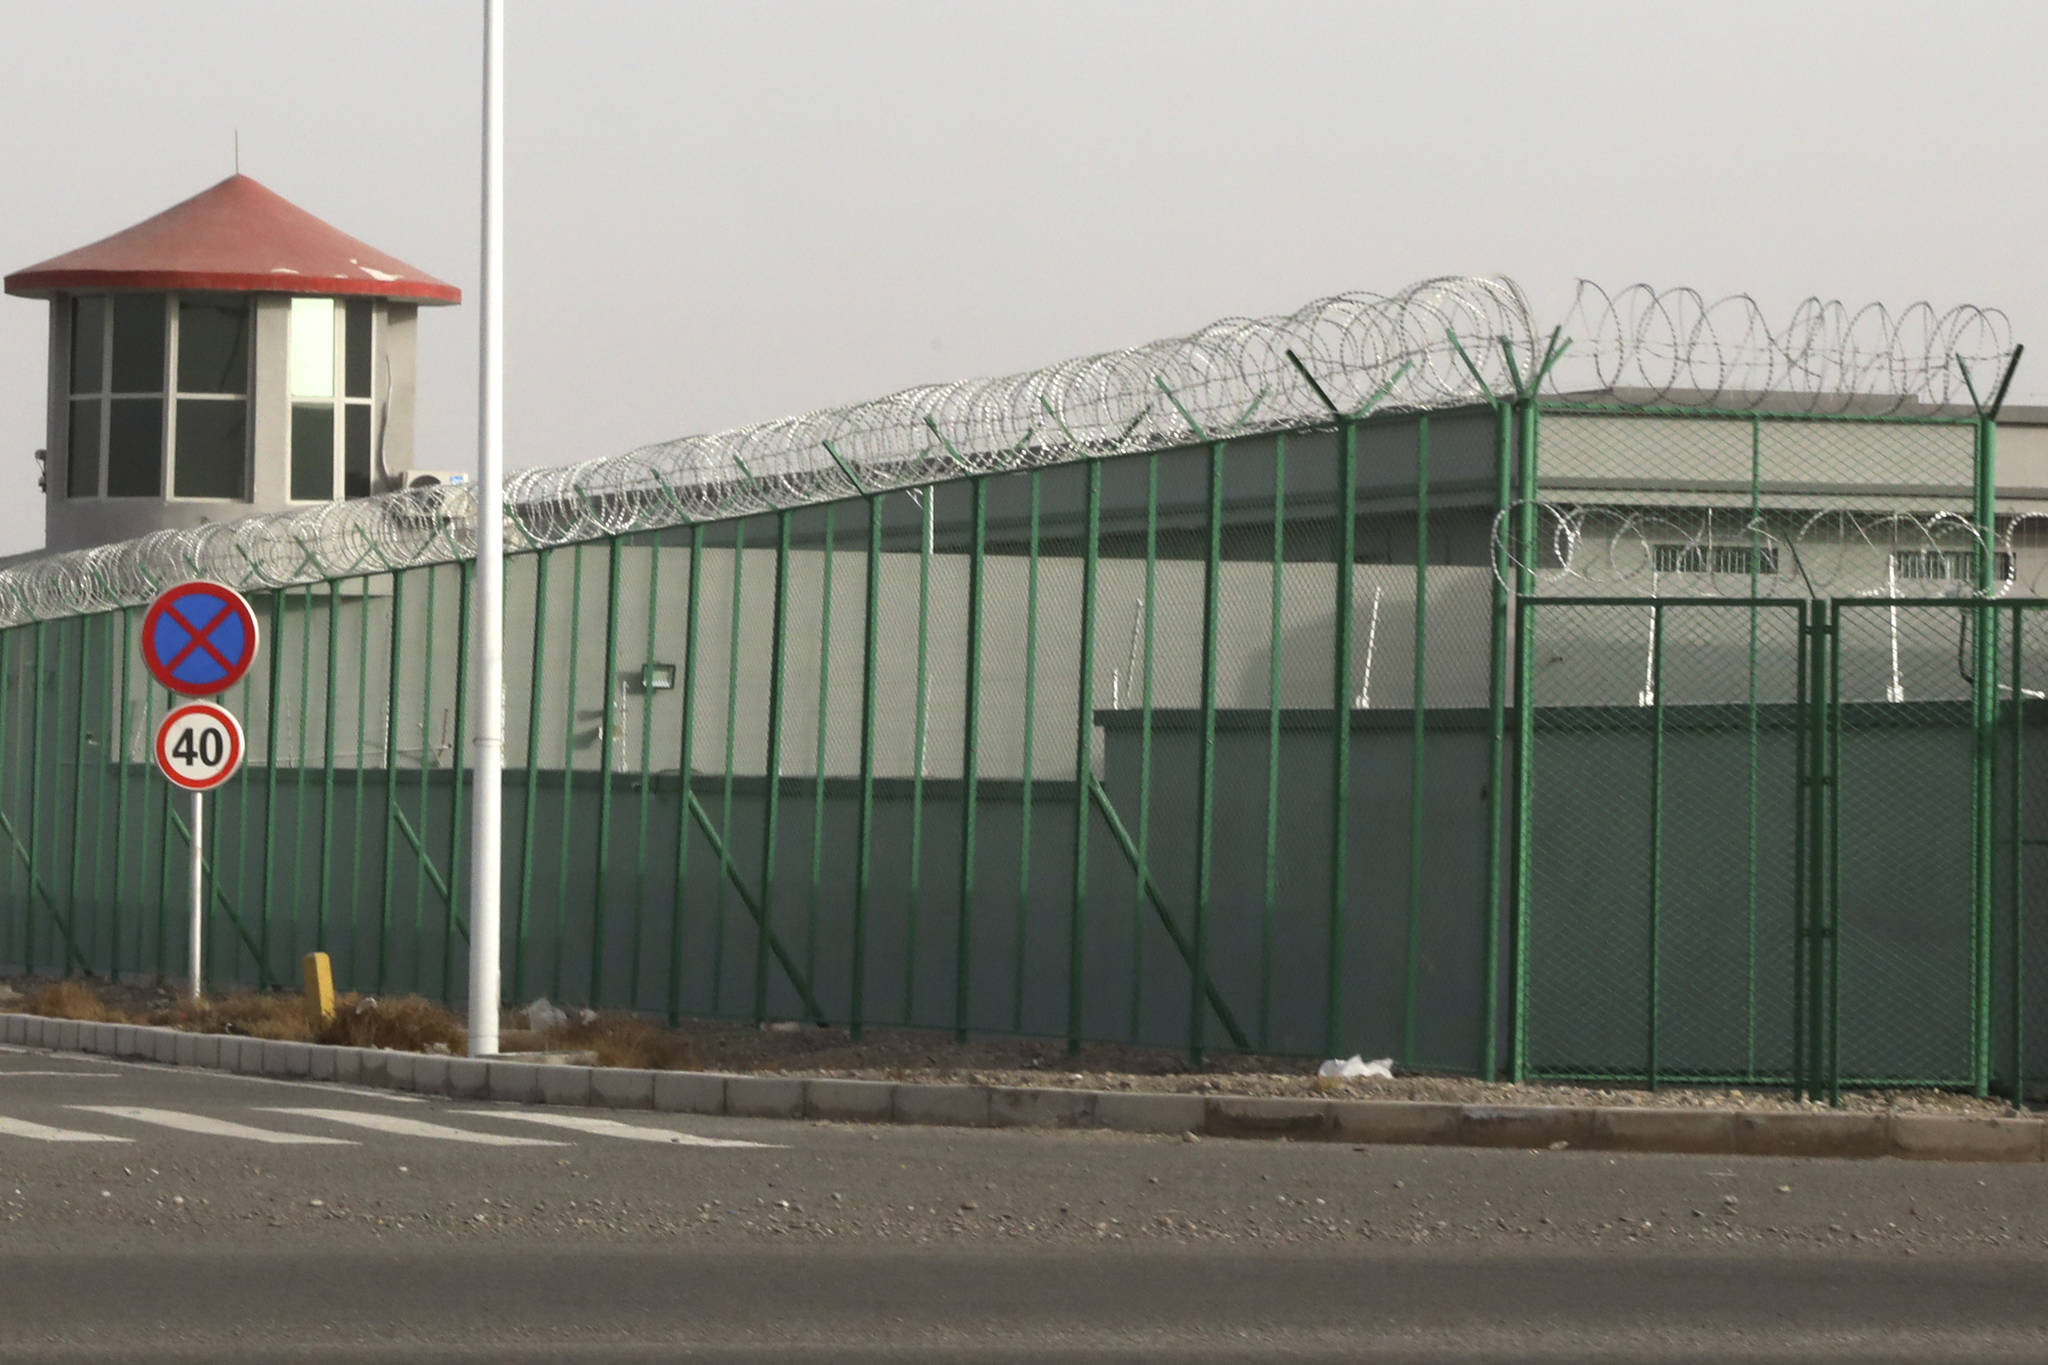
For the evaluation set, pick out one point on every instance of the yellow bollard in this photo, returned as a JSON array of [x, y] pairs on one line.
[[319, 974]]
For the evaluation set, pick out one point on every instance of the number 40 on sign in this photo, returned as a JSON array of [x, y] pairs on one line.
[[199, 746]]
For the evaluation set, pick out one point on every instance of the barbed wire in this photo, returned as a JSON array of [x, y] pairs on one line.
[[1236, 377]]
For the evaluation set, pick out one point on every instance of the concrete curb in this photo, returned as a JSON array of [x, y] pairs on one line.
[[1712, 1132]]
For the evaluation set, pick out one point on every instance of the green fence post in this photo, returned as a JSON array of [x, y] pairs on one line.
[[1139, 903], [732, 695], [1084, 758], [2016, 847], [80, 690], [465, 573], [607, 733], [388, 835], [1497, 805], [1656, 994], [567, 844], [356, 879], [913, 902], [1198, 993], [422, 865], [864, 857], [1024, 795], [100, 822], [970, 759], [1985, 680], [1269, 908], [327, 712], [537, 674], [772, 807], [1749, 914], [1831, 779], [1526, 492], [820, 756], [273, 702], [1340, 739], [1419, 722], [35, 796], [121, 791], [646, 771], [683, 760], [1805, 831], [298, 864]]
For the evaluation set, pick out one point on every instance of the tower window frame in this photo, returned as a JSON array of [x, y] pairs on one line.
[[332, 396], [110, 408]]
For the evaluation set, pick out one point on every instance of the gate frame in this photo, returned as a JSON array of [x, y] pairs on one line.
[[1806, 784]]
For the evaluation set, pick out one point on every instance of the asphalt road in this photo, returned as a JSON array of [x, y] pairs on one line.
[[151, 1213]]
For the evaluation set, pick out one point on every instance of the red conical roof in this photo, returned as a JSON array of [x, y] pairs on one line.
[[236, 237]]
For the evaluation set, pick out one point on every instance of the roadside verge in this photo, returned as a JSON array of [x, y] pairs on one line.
[[1926, 1137]]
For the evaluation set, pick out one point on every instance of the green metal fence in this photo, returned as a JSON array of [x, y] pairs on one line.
[[1450, 736]]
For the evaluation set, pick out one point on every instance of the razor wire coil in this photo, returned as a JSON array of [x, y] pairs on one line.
[[1638, 346]]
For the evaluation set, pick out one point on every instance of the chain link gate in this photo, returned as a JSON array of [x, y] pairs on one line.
[[1782, 842], [1663, 839], [1908, 875]]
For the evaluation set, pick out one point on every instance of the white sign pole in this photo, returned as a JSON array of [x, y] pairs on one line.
[[198, 887], [484, 876]]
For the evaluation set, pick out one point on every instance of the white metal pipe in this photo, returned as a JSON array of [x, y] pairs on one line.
[[487, 812], [197, 887]]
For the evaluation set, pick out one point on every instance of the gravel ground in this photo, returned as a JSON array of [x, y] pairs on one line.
[[794, 1049]]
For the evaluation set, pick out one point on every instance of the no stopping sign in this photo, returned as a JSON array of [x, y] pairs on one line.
[[199, 746], [198, 638]]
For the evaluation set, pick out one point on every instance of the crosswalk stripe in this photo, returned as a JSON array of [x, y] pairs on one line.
[[198, 1123], [391, 1123], [37, 1132], [631, 1132], [67, 1075]]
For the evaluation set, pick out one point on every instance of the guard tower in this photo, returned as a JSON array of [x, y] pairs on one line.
[[232, 355]]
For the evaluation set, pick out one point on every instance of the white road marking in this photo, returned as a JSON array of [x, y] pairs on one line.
[[10, 1075], [36, 1132], [197, 1123], [210, 1073], [390, 1123], [632, 1132]]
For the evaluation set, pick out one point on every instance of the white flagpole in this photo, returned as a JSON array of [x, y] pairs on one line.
[[485, 864]]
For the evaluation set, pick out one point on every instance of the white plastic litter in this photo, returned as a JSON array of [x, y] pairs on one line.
[[542, 1016], [1356, 1067]]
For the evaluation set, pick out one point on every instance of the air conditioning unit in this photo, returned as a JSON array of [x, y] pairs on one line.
[[431, 478]]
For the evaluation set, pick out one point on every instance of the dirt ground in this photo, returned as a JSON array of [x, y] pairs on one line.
[[794, 1049]]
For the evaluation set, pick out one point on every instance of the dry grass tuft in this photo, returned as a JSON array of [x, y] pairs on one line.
[[624, 1040], [72, 1000], [273, 1015], [404, 1022]]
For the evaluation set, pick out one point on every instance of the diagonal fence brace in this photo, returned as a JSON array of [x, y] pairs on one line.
[[775, 944]]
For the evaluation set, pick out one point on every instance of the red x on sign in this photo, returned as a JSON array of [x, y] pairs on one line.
[[199, 638]]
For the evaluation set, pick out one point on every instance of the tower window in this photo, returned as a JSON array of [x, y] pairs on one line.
[[158, 381], [332, 387]]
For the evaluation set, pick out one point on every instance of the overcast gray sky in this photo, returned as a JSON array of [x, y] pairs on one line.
[[720, 213]]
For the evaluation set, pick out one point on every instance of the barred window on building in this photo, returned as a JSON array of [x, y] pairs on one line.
[[1717, 559], [1945, 566]]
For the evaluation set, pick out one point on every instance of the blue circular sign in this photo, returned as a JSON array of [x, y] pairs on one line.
[[199, 638]]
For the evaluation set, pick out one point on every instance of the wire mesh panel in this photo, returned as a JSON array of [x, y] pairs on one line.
[[2018, 987], [1753, 505], [1903, 1002], [1663, 890]]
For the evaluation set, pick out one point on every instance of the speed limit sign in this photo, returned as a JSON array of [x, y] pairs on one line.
[[199, 746]]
